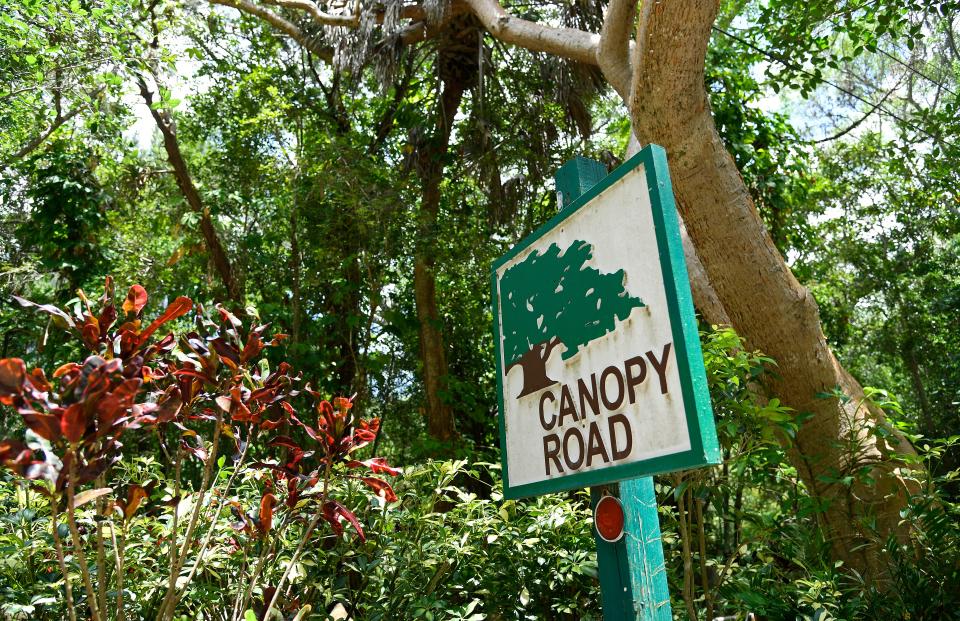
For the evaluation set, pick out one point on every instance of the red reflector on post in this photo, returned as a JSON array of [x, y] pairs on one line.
[[608, 518]]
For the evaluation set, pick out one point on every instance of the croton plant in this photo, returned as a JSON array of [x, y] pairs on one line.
[[205, 392]]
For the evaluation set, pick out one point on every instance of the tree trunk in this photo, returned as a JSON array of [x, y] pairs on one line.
[[181, 172], [909, 355], [296, 304], [764, 301], [440, 422], [534, 365], [347, 312]]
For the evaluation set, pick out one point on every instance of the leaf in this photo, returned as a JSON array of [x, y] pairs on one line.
[[310, 430], [135, 496], [178, 308], [91, 494], [12, 374], [253, 348], [47, 426], [335, 513], [303, 612], [267, 503], [224, 401], [48, 308], [377, 465], [136, 300], [66, 368], [73, 425], [107, 316], [381, 487]]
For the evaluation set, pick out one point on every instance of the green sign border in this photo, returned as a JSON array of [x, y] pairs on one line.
[[704, 449]]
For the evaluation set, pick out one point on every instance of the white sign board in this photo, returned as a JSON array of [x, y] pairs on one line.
[[600, 372]]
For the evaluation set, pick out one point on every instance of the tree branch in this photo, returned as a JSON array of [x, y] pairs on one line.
[[349, 20], [181, 173], [39, 140], [858, 122], [283, 25], [567, 42], [58, 122], [613, 53]]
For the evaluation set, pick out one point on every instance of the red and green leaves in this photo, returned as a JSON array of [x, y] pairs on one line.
[[136, 300], [179, 384], [178, 308], [336, 514], [13, 372]]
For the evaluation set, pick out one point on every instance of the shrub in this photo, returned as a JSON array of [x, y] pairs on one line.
[[132, 459]]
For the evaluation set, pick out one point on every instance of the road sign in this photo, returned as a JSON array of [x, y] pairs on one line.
[[600, 373]]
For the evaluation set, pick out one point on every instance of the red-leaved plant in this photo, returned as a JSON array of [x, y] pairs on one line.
[[195, 393]]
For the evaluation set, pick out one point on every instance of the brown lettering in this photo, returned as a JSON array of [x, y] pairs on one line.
[[543, 422], [611, 404], [551, 451], [566, 405], [589, 397], [575, 433], [618, 452], [660, 366], [634, 380], [595, 445]]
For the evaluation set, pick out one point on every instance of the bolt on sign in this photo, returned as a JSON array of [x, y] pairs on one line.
[[600, 372]]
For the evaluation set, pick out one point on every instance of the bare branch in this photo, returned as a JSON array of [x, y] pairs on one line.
[[566, 42], [858, 122], [327, 19], [283, 25], [613, 54]]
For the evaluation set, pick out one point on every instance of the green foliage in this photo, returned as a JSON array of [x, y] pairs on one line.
[[453, 549], [204, 395], [309, 173], [67, 217], [450, 547]]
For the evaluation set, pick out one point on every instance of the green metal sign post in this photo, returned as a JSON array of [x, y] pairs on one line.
[[633, 579]]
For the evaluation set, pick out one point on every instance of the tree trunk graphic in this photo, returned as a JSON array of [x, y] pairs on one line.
[[534, 365]]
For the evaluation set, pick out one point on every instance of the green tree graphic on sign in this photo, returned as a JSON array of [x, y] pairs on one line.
[[553, 298]]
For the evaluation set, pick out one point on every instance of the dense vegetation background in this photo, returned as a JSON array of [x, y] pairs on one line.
[[356, 201]]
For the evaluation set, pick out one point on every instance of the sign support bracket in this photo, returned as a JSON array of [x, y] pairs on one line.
[[633, 577]]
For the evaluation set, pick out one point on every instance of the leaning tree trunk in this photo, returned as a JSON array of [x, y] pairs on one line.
[[765, 302], [217, 252]]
